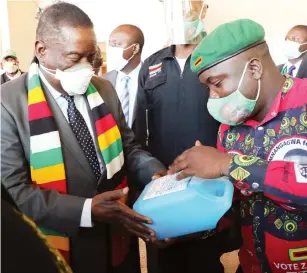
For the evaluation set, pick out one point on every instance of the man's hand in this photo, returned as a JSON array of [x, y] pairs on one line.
[[159, 174], [201, 161], [106, 207]]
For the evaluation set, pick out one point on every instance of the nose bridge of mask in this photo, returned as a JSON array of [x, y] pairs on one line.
[[84, 69]]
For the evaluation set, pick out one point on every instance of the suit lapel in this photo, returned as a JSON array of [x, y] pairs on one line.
[[68, 138], [113, 78], [302, 72]]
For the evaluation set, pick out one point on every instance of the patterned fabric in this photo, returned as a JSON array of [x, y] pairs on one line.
[[269, 169], [46, 158], [124, 98], [83, 135], [58, 259]]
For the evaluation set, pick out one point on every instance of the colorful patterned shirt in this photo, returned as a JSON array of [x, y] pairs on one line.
[[269, 169]]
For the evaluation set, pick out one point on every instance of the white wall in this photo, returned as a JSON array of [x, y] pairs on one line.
[[276, 16], [146, 14]]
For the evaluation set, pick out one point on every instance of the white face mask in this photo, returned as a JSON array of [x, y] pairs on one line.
[[115, 60], [74, 80], [10, 67], [291, 49]]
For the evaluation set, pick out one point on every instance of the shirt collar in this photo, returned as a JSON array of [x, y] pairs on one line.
[[133, 73], [55, 94], [288, 64]]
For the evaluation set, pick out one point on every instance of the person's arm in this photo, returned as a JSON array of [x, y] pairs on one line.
[[282, 181], [48, 208]]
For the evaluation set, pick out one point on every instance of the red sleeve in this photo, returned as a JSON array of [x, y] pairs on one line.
[[220, 137], [283, 181]]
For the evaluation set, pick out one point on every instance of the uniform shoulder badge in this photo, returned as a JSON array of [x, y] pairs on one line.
[[155, 69]]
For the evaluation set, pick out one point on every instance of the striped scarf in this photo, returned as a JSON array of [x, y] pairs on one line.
[[46, 157]]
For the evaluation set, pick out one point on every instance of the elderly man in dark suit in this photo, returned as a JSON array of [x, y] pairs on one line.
[[66, 148], [295, 50]]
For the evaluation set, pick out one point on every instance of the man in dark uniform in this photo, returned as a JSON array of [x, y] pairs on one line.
[[171, 115]]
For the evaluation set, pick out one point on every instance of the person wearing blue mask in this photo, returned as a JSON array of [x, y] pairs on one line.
[[170, 116]]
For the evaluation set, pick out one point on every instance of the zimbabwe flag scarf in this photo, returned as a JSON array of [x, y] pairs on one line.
[[46, 157]]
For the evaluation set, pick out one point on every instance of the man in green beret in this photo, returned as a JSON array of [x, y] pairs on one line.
[[263, 116]]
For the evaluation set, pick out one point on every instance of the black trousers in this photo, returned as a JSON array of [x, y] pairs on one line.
[[195, 256]]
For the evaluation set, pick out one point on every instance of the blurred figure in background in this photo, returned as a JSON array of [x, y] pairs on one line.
[[98, 62], [124, 63], [171, 115], [19, 235], [10, 66], [295, 50]]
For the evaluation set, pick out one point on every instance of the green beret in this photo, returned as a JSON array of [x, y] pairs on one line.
[[225, 42]]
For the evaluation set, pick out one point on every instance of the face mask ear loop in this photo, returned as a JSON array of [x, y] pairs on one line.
[[201, 11], [258, 93], [242, 77]]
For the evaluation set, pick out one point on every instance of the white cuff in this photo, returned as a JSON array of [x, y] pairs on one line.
[[86, 216]]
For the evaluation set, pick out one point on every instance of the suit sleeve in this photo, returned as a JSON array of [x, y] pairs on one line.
[[48, 208], [139, 126], [283, 181], [141, 165]]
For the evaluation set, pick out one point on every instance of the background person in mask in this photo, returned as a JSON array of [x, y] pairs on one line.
[[295, 50], [235, 63], [124, 63], [171, 115], [98, 62], [65, 149], [10, 66]]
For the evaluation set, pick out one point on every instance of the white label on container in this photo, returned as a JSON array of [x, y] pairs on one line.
[[166, 185]]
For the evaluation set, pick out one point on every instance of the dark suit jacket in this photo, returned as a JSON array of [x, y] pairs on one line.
[[62, 212], [302, 72]]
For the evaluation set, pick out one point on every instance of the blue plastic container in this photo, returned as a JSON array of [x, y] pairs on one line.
[[184, 207]]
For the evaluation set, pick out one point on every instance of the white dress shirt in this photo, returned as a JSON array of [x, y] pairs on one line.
[[86, 217], [132, 87], [297, 67]]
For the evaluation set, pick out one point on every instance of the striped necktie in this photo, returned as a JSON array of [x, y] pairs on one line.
[[124, 98]]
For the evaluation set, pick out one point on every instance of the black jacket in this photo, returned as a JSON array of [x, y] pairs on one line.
[[171, 108]]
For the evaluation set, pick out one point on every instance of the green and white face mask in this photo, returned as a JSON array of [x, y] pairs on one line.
[[194, 28], [235, 108], [184, 21]]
